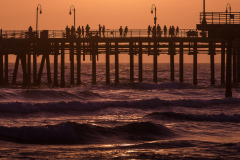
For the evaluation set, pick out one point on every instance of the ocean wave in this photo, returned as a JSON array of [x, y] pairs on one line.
[[193, 117], [74, 133], [24, 107]]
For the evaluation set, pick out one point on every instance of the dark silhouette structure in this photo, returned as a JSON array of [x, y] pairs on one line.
[[217, 32]]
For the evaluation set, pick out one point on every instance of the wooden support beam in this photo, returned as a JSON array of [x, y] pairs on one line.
[[94, 71], [155, 61], [181, 63], [131, 62], [6, 69], [140, 62], [56, 53], [116, 63], [24, 68], [62, 65], [35, 66], [72, 63], [15, 70], [48, 69], [172, 53], [212, 54], [29, 67], [223, 53], [41, 69], [195, 64], [78, 63], [107, 64]]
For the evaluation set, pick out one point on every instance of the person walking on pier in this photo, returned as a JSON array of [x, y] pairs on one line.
[[177, 31], [99, 30], [67, 32], [149, 30], [154, 31], [120, 31], [72, 31], [83, 31], [103, 30], [158, 31], [165, 30], [79, 32], [125, 31], [87, 30], [170, 31], [173, 31]]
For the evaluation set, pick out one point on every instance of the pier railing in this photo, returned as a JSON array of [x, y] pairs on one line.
[[221, 17], [109, 33]]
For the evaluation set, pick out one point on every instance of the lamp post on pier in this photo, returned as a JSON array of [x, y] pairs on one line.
[[70, 12], [40, 11], [155, 18]]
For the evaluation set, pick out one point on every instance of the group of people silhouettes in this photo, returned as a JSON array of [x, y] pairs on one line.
[[79, 32], [157, 31], [101, 30], [121, 31]]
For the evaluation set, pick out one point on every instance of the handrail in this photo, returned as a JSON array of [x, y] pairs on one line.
[[221, 17], [109, 33]]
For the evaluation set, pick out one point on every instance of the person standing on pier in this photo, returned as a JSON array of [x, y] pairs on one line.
[[87, 30], [67, 32], [72, 31], [126, 31], [83, 31], [177, 31], [99, 30], [170, 31], [165, 30], [120, 31], [154, 31], [173, 31], [158, 31], [79, 31], [103, 30], [149, 30]]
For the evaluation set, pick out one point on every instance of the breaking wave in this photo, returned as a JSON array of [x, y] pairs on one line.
[[74, 133], [193, 117], [23, 107]]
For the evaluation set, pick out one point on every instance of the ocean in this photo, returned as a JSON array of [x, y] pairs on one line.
[[167, 120]]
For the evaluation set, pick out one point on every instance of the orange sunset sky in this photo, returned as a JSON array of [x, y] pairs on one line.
[[136, 14]]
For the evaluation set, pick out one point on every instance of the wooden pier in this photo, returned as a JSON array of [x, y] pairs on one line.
[[27, 46]]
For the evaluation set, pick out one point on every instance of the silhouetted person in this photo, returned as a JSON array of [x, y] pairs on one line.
[[30, 29], [173, 30], [170, 31], [177, 30], [165, 30], [87, 30], [154, 31], [79, 31], [100, 29], [159, 30], [149, 30], [83, 31], [72, 31], [103, 30], [126, 31], [67, 32], [120, 31]]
